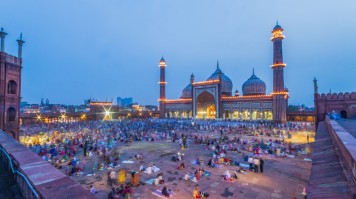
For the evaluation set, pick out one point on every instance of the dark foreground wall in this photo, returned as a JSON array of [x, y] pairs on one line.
[[35, 177]]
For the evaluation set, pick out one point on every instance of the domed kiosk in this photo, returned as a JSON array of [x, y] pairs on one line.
[[226, 83], [254, 86]]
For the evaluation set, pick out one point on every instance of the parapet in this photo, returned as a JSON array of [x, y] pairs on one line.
[[36, 177], [335, 96]]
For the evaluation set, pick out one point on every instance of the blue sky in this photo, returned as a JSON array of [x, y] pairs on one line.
[[103, 49]]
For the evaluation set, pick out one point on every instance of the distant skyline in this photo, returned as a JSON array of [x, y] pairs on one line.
[[81, 49]]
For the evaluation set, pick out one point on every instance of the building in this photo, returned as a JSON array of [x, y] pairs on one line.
[[214, 98], [339, 105], [10, 87], [124, 102]]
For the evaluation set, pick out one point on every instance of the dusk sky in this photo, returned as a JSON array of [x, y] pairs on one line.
[[79, 49]]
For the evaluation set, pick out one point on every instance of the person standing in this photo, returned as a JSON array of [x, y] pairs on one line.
[[262, 162], [113, 177], [256, 163], [250, 162], [85, 148]]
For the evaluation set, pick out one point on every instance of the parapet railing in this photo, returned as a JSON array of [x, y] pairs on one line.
[[15, 171], [345, 143]]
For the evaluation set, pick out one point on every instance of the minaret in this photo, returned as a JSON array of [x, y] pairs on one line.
[[20, 43], [162, 87], [315, 85], [316, 103], [192, 78], [280, 94], [2, 36]]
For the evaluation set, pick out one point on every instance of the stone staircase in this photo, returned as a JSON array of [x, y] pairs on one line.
[[328, 178]]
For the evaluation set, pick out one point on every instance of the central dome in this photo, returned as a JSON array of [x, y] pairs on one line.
[[187, 92], [226, 83], [254, 86]]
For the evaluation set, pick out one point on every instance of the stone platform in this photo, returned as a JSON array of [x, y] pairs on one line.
[[282, 178]]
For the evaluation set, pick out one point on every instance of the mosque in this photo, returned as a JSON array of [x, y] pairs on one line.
[[214, 98]]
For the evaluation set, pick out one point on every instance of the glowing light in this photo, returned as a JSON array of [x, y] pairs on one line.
[[280, 93], [38, 117], [162, 83], [278, 65], [277, 34], [107, 113], [207, 82], [100, 103], [247, 97], [162, 64], [178, 100]]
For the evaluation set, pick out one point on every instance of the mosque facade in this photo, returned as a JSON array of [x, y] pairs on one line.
[[214, 97]]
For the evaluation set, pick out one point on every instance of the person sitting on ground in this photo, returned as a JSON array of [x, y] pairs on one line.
[[196, 193], [201, 171], [186, 177], [92, 189], [227, 176], [211, 163], [181, 166], [142, 168], [128, 191], [197, 175], [165, 192], [197, 161]]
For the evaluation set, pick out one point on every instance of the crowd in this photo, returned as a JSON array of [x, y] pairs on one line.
[[60, 143]]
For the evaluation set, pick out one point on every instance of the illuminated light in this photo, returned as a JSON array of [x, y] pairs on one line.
[[162, 100], [278, 65], [162, 64], [63, 116], [100, 103], [207, 82], [178, 100], [247, 97], [38, 117], [162, 83], [107, 113], [277, 34], [280, 93]]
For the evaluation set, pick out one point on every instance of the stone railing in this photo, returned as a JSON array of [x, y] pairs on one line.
[[345, 143], [35, 177]]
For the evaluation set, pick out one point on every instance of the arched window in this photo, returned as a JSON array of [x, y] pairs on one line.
[[11, 114], [11, 87], [343, 114]]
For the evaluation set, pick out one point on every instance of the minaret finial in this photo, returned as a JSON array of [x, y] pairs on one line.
[[277, 22], [217, 63], [20, 35], [253, 71]]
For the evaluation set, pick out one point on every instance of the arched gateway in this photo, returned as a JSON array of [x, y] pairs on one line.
[[206, 106]]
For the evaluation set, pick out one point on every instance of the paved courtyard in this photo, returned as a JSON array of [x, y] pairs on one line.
[[282, 177]]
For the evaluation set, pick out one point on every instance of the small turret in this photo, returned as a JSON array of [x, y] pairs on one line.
[[2, 36], [20, 43]]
